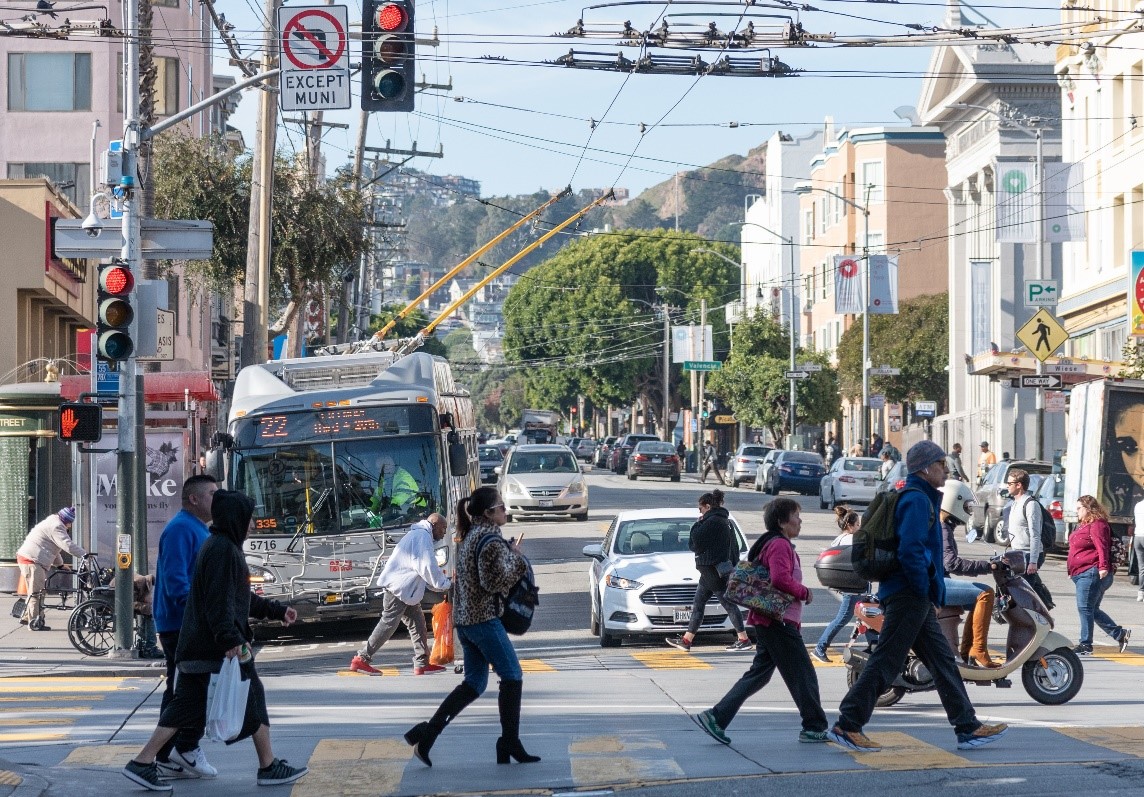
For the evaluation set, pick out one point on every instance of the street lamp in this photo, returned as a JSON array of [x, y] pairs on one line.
[[802, 189]]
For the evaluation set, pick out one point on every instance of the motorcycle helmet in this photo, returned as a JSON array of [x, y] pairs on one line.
[[957, 500]]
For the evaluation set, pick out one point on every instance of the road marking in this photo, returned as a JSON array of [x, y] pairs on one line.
[[1131, 659], [32, 737], [101, 755], [377, 766], [41, 708], [669, 660], [9, 778], [55, 686], [901, 752], [35, 721], [390, 671], [1128, 740], [594, 761], [535, 665], [55, 699]]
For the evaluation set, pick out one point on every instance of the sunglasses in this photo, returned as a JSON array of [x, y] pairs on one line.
[[1126, 445]]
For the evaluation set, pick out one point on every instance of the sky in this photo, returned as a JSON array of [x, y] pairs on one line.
[[518, 125]]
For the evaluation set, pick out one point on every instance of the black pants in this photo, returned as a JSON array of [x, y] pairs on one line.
[[711, 583], [910, 622], [1038, 586], [780, 646], [186, 739]]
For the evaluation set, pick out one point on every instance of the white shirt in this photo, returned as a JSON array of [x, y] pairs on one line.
[[412, 566], [1026, 513]]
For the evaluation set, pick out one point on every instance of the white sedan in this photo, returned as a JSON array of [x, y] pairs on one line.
[[850, 480], [643, 577]]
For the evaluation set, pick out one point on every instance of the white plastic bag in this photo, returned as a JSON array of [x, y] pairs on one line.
[[226, 702]]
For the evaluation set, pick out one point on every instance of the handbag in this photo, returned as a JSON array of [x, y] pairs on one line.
[[750, 586], [226, 701], [443, 648], [18, 607], [518, 606]]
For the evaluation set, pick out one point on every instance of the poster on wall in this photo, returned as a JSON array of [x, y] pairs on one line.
[[163, 483], [1136, 296]]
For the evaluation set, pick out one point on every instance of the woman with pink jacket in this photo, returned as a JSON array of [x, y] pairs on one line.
[[779, 644]]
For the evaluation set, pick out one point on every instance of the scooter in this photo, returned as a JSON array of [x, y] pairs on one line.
[[1050, 672]]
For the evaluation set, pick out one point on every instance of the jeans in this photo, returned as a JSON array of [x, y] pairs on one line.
[[845, 615], [484, 644], [1090, 589], [394, 611], [909, 622], [186, 739], [959, 592], [780, 646], [1138, 551], [710, 583]]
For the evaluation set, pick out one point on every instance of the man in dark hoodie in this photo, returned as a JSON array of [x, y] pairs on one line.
[[216, 627]]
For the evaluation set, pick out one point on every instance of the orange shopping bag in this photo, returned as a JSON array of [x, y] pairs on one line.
[[442, 634]]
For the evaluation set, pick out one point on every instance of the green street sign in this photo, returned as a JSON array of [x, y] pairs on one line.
[[702, 365]]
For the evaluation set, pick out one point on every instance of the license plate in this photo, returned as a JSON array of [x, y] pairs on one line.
[[657, 459], [867, 482], [545, 503], [803, 472], [682, 616]]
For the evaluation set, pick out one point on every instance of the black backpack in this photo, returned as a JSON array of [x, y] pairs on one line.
[[1048, 526], [874, 553], [519, 605]]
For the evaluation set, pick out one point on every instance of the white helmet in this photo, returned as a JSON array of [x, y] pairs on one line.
[[957, 500]]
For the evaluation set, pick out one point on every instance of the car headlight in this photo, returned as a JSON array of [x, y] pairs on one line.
[[513, 487], [619, 582], [260, 575], [575, 488]]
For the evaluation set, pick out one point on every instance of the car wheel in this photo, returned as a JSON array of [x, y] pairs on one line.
[[775, 487], [758, 485], [675, 477], [581, 517], [607, 639], [593, 620], [631, 475], [822, 499]]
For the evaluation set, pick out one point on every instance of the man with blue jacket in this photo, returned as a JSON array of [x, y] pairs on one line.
[[179, 545], [908, 598]]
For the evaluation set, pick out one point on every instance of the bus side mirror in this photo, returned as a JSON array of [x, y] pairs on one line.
[[214, 463], [458, 456]]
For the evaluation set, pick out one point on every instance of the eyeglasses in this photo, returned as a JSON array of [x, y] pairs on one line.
[[496, 507], [1126, 445], [1011, 483]]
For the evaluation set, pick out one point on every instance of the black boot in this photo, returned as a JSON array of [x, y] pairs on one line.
[[424, 734], [508, 745]]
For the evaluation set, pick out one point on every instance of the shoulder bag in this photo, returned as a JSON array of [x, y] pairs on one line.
[[750, 585]]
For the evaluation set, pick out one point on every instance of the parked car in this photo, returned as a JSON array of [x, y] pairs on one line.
[[764, 468], [801, 471], [894, 480], [745, 461], [850, 480], [490, 458], [604, 451], [990, 502], [654, 458], [622, 449], [1051, 495], [541, 479], [643, 578], [584, 449]]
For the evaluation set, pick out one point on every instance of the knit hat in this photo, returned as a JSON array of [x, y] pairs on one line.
[[922, 455], [67, 515]]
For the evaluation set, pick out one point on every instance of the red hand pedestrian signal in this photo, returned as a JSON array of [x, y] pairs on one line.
[[80, 422]]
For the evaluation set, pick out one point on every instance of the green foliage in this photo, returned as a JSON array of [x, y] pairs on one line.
[[916, 340], [406, 328], [498, 396], [459, 346], [1132, 357]]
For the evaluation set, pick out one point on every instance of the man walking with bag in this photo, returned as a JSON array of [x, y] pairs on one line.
[[411, 568], [908, 599], [1025, 530]]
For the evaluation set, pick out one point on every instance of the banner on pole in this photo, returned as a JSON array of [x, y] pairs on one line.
[[883, 284], [847, 284], [1016, 203]]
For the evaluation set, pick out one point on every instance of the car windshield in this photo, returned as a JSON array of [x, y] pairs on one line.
[[655, 448], [658, 535], [490, 454], [754, 451], [542, 462], [803, 458], [862, 465]]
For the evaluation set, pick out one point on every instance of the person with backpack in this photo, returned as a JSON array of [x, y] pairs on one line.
[[909, 594], [1026, 522]]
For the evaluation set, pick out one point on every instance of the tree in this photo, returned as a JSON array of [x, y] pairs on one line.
[[459, 346], [407, 327], [916, 341]]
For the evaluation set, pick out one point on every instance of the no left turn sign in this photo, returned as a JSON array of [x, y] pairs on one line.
[[315, 58]]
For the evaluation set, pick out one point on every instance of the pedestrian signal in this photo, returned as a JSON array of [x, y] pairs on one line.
[[79, 422]]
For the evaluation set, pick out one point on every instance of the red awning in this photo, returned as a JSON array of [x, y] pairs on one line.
[[163, 387]]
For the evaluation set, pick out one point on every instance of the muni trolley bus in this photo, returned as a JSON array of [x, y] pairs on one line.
[[341, 454]]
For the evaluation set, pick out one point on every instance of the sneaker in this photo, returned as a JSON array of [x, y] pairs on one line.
[[1139, 598], [358, 664], [986, 734], [679, 642], [168, 770], [279, 773], [740, 645], [812, 737], [428, 669], [853, 740], [1124, 637], [195, 762], [151, 653], [707, 722], [146, 775], [1083, 649], [820, 655]]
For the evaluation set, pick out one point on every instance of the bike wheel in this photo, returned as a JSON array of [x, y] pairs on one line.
[[91, 627]]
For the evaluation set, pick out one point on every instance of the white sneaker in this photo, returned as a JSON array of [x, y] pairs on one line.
[[169, 770], [195, 762]]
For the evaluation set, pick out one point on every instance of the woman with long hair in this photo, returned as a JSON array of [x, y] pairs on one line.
[[488, 565], [848, 522], [1091, 568]]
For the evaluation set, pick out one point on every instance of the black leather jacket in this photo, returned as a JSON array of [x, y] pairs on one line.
[[712, 538]]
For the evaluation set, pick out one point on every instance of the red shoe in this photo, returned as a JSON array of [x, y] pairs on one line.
[[358, 664], [428, 669]]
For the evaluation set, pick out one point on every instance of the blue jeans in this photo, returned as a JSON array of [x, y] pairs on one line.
[[1090, 589], [845, 614], [484, 644], [959, 592]]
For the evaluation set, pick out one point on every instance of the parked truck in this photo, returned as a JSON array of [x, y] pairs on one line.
[[1106, 449], [540, 426]]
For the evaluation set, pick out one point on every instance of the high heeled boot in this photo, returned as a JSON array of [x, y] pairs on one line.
[[508, 745], [982, 615], [424, 734], [966, 636]]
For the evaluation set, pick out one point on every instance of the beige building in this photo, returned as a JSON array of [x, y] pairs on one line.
[[897, 175]]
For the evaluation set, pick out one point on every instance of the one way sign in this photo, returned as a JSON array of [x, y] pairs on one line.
[[1050, 381]]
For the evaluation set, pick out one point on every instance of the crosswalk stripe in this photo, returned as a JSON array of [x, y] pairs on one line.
[[594, 761], [9, 778], [55, 699], [377, 766], [1127, 739], [24, 721], [901, 751], [669, 660], [535, 665], [1111, 654], [40, 708], [387, 671], [32, 737]]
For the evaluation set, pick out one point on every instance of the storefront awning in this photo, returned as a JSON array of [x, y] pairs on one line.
[[163, 387], [1012, 365]]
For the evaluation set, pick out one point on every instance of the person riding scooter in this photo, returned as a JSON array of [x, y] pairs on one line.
[[975, 598]]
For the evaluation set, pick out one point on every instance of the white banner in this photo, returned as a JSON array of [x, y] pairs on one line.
[[1064, 202], [883, 284], [847, 284], [688, 344], [1016, 203]]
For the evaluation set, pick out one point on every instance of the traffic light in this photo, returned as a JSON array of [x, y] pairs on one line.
[[388, 49], [79, 422], [114, 312]]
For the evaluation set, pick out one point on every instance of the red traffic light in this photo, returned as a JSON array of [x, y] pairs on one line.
[[392, 18], [116, 280], [79, 422]]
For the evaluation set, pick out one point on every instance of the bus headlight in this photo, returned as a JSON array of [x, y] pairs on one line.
[[260, 575]]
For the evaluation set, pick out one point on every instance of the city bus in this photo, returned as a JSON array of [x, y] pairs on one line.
[[341, 454]]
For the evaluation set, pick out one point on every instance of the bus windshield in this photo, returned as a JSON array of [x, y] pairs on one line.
[[333, 487]]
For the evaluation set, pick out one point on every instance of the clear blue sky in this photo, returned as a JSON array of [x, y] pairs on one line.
[[526, 127]]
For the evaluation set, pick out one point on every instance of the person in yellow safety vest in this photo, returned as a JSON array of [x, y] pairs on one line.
[[396, 488]]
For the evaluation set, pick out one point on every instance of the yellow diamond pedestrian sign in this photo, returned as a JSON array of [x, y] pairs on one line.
[[1042, 335]]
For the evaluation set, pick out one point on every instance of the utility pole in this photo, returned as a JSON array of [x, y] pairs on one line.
[[1039, 183], [702, 382], [666, 371]]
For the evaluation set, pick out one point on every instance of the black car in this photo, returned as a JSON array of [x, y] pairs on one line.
[[653, 458], [490, 457], [801, 471], [618, 459]]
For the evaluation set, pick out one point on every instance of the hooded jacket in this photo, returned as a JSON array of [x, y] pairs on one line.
[[220, 603], [920, 550], [712, 538]]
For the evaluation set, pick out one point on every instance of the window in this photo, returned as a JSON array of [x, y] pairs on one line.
[[1112, 342], [872, 175], [166, 3], [166, 85], [980, 332], [877, 243], [49, 81], [808, 225], [70, 178]]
